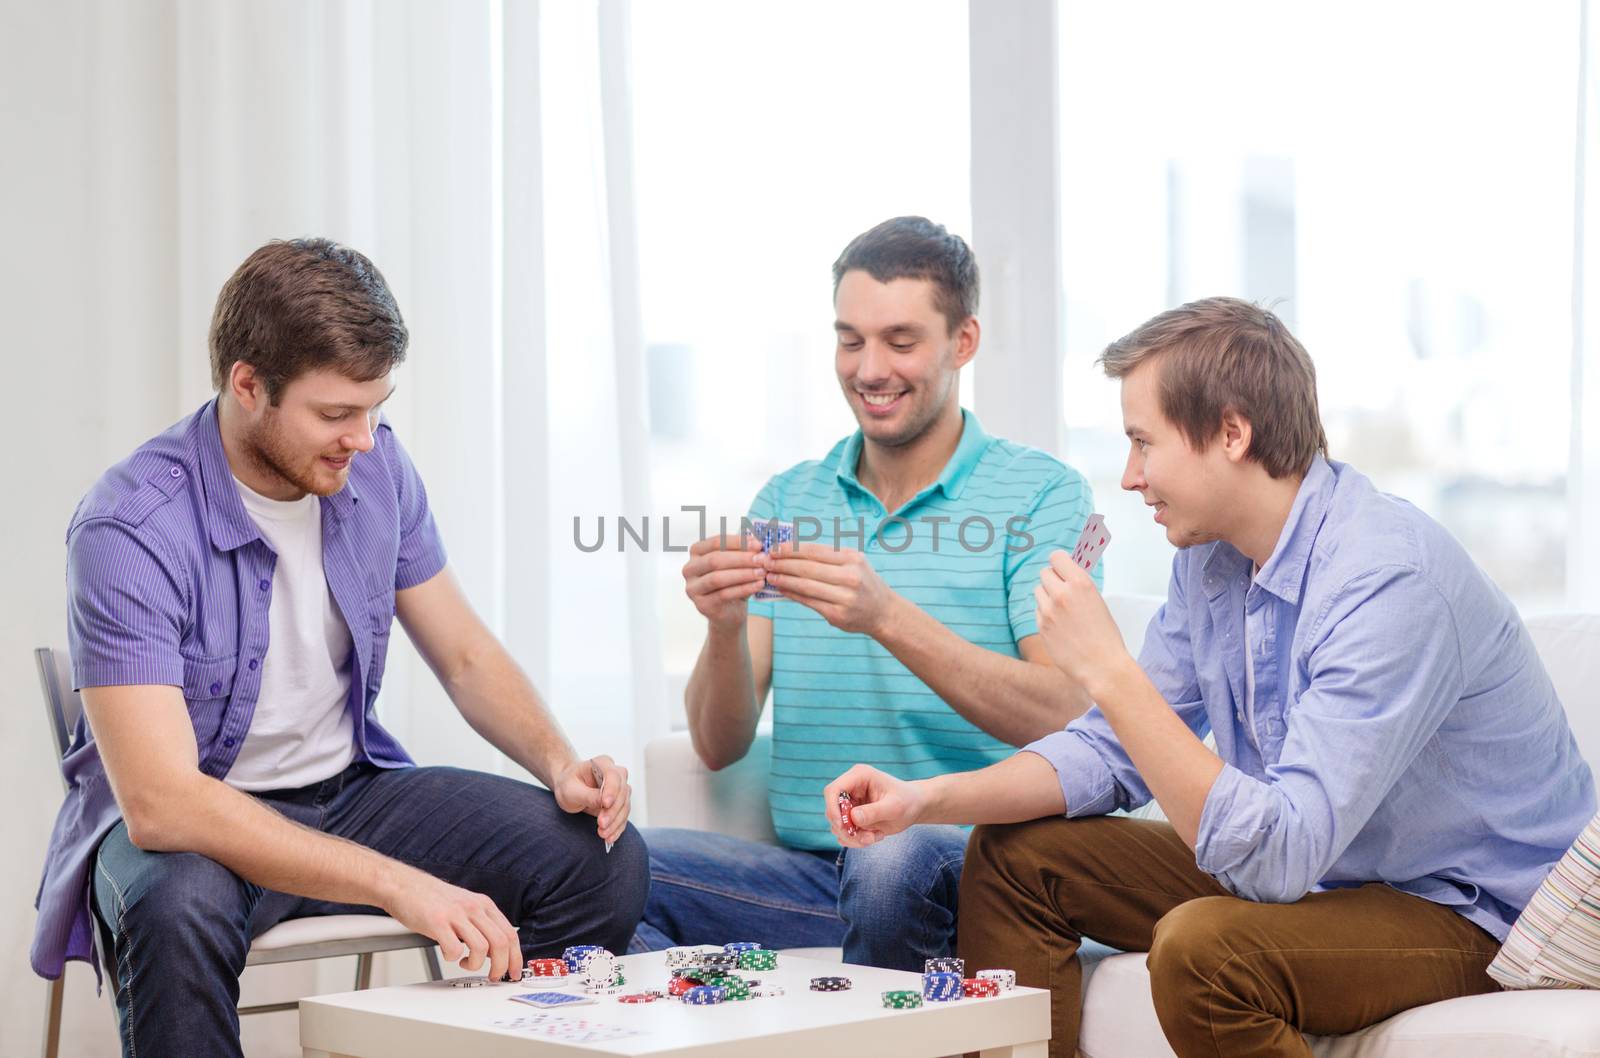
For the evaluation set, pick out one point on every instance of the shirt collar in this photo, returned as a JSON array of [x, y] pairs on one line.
[[951, 480], [1285, 571], [230, 524]]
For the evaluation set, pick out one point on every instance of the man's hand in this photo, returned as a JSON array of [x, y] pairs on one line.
[[598, 786], [838, 583], [883, 805], [721, 575], [1076, 626], [467, 926]]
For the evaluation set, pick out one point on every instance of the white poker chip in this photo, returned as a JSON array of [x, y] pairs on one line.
[[1007, 978], [469, 982], [598, 968]]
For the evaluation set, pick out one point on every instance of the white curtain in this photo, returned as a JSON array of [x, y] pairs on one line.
[[478, 153]]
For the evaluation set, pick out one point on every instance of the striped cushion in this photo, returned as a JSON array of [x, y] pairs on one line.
[[1556, 941]]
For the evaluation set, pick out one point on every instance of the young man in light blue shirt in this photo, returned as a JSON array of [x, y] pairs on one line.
[[1393, 774], [905, 634]]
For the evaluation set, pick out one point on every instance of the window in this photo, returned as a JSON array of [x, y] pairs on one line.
[[1397, 181]]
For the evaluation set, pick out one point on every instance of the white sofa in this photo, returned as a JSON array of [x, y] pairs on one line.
[[1119, 1018]]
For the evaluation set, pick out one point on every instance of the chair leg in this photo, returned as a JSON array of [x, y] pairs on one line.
[[430, 961], [363, 971], [57, 991]]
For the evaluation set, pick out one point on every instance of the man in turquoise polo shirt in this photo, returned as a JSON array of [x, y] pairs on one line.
[[905, 634]]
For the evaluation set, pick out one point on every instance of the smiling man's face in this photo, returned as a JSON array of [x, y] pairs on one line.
[[306, 442], [1193, 493], [897, 359]]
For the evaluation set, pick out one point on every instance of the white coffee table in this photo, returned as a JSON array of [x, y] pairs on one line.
[[430, 1019]]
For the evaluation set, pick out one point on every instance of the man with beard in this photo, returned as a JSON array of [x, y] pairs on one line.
[[1393, 774], [231, 588], [905, 633]]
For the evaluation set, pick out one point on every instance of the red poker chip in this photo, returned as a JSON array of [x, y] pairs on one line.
[[679, 985], [548, 967], [980, 986], [637, 997]]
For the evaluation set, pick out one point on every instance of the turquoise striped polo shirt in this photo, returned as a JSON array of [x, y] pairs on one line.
[[967, 549]]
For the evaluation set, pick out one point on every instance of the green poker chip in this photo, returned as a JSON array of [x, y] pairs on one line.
[[900, 999]]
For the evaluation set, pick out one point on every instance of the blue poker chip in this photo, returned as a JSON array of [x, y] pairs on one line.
[[941, 987], [574, 955], [741, 945], [705, 995]]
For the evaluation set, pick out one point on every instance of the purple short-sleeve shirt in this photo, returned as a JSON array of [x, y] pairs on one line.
[[169, 581]]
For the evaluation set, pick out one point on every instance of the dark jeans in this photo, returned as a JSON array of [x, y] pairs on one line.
[[180, 924], [892, 904]]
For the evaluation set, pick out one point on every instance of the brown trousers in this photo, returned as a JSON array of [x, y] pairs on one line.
[[1230, 977]]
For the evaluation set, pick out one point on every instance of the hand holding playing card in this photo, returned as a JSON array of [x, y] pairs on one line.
[[722, 574], [838, 583], [1077, 628]]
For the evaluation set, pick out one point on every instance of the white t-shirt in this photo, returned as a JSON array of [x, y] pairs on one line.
[[301, 732]]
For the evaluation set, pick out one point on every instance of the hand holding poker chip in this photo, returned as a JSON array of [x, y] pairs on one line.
[[865, 805]]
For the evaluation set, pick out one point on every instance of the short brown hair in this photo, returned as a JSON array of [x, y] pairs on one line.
[[1222, 354], [304, 305], [917, 248]]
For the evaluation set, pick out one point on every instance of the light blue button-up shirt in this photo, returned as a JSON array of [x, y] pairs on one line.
[[1403, 729]]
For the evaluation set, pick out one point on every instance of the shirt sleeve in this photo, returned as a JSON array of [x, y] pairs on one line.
[[1384, 672], [767, 505], [421, 553], [126, 607], [1095, 772], [1052, 523]]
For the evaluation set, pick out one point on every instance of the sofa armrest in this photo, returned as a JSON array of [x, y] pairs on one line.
[[680, 791]]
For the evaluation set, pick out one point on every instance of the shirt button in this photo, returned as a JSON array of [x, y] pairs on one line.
[[253, 664], [264, 585], [176, 472], [216, 688], [228, 742]]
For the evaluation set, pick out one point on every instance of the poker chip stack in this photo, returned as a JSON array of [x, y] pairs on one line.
[[830, 984], [705, 995], [980, 987], [941, 986], [726, 961], [758, 959], [901, 999], [573, 955], [945, 966], [678, 958], [1007, 979], [737, 946], [547, 967]]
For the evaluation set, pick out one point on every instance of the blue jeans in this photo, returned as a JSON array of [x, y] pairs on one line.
[[892, 904], [180, 925]]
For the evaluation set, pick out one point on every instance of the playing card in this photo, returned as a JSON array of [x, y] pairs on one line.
[[771, 533], [552, 999], [1091, 542]]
